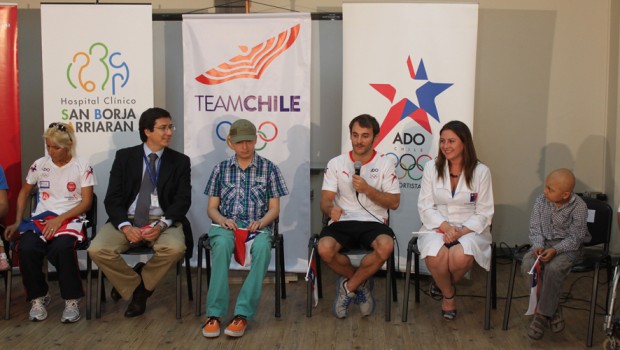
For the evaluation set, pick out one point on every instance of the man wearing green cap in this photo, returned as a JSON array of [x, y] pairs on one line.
[[244, 192]]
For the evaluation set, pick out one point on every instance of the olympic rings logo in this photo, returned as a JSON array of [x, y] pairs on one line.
[[409, 165], [264, 129], [221, 134], [263, 136]]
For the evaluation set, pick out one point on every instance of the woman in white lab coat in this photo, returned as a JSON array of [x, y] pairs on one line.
[[456, 208]]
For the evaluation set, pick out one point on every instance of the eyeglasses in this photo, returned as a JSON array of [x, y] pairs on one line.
[[170, 127], [62, 128]]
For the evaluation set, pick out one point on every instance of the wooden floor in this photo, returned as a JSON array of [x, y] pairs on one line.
[[425, 329]]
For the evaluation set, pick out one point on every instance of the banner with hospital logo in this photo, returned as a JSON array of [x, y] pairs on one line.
[[10, 144], [98, 77], [255, 67], [412, 66]]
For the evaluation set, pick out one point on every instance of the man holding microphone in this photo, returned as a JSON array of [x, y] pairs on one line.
[[358, 189]]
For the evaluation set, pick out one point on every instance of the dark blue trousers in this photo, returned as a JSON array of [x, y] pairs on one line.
[[60, 252]]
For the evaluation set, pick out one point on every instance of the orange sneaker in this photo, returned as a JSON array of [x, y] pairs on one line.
[[211, 329], [237, 327]]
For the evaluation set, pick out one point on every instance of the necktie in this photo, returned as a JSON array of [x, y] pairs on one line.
[[144, 197]]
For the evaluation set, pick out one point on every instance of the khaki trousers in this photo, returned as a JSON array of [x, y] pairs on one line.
[[106, 249]]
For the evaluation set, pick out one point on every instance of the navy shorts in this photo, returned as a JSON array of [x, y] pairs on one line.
[[356, 234]]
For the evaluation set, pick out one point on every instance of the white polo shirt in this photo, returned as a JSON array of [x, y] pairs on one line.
[[379, 172]]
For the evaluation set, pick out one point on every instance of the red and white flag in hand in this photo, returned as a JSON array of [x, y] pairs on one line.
[[243, 246], [536, 282]]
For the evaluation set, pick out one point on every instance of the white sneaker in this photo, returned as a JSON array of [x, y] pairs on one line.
[[364, 297], [38, 311], [72, 311], [343, 298]]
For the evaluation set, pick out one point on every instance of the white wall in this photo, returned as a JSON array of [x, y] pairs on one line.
[[543, 100]]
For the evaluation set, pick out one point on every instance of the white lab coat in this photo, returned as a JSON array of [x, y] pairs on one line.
[[470, 207]]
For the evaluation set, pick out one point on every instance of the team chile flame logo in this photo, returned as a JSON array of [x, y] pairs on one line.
[[404, 108], [251, 63]]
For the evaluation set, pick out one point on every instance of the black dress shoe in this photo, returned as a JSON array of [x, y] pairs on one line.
[[137, 306], [116, 296]]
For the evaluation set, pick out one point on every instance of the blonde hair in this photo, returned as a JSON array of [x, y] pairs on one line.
[[62, 135]]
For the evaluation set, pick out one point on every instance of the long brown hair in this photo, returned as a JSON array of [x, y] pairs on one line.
[[469, 151]]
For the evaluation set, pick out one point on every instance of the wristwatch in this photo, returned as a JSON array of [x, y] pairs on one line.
[[162, 226]]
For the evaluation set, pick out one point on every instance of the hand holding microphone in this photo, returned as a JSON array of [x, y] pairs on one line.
[[360, 185], [358, 167]]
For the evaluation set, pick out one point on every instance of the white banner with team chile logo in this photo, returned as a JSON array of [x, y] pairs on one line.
[[255, 67], [98, 77], [411, 66]]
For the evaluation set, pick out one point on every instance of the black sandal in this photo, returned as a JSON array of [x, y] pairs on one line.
[[449, 315], [434, 291]]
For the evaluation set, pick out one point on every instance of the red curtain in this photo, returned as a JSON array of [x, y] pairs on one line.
[[10, 146]]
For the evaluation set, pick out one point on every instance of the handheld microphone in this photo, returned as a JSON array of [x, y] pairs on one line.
[[358, 166]]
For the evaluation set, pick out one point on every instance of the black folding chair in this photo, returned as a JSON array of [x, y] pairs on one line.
[[91, 223], [600, 230], [491, 289], [390, 273], [144, 250], [277, 243]]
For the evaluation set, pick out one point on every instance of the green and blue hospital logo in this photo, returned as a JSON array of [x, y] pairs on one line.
[[98, 70]]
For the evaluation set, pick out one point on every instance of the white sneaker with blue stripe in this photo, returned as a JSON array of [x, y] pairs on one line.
[[343, 298]]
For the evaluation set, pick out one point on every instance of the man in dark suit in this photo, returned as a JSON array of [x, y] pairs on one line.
[[149, 194]]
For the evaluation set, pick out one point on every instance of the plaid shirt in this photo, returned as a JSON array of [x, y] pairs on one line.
[[244, 194], [565, 225]]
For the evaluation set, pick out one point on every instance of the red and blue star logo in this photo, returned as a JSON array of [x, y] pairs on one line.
[[405, 108], [89, 171]]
